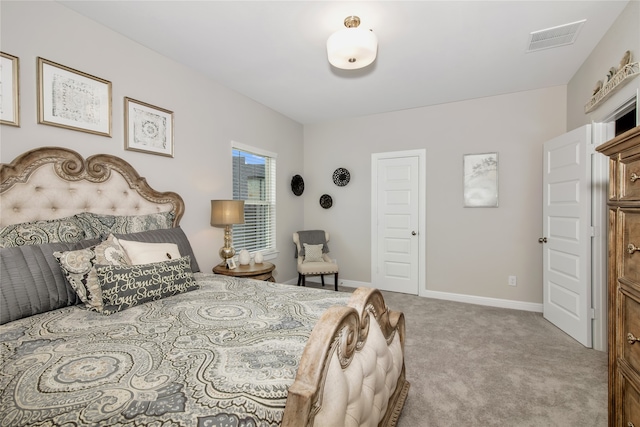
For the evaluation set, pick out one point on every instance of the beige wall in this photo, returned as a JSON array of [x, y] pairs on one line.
[[623, 35], [207, 118], [470, 251]]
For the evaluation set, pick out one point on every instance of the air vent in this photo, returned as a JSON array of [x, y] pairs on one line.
[[561, 35]]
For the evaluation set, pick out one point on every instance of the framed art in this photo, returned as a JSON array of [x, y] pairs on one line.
[[9, 90], [480, 180], [148, 128], [71, 99], [231, 263]]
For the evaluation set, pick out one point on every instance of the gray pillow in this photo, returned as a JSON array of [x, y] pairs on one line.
[[150, 282], [32, 281], [169, 235]]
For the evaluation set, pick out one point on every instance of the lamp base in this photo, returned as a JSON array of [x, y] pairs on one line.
[[227, 251]]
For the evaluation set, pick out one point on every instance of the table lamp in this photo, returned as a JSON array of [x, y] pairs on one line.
[[226, 213]]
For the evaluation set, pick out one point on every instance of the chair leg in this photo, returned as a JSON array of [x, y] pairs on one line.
[[322, 279], [299, 278], [336, 282], [304, 280]]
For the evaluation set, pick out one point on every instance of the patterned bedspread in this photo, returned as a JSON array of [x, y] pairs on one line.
[[223, 355]]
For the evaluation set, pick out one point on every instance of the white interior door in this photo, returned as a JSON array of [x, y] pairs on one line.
[[567, 233], [395, 255]]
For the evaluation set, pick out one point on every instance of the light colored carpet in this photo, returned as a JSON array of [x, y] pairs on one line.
[[478, 366], [472, 365]]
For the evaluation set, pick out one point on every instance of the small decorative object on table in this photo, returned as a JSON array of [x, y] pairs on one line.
[[230, 263], [244, 258], [258, 258]]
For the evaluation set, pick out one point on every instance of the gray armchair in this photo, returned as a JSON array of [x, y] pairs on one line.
[[313, 258]]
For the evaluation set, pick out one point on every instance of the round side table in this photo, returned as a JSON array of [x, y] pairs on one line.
[[252, 271]]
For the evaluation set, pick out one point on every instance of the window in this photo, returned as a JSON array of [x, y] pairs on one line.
[[254, 181]]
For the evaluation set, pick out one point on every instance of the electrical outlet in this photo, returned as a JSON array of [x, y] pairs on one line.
[[513, 281]]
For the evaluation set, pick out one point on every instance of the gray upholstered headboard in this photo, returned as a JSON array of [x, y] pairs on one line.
[[53, 182]]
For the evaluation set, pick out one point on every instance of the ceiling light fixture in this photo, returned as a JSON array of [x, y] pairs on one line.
[[352, 47]]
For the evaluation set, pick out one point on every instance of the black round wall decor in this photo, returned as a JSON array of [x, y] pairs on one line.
[[326, 201], [341, 177], [297, 185]]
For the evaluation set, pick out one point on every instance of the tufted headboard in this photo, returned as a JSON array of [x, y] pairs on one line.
[[53, 182]]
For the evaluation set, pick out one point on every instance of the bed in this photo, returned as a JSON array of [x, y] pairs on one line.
[[108, 320]]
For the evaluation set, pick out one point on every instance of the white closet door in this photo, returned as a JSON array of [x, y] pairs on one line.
[[567, 232]]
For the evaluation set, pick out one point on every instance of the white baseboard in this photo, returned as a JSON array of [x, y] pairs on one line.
[[354, 284], [448, 296], [328, 280], [492, 302]]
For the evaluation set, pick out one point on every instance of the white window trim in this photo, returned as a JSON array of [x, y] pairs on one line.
[[272, 253], [252, 149]]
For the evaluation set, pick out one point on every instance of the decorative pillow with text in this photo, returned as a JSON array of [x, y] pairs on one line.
[[127, 286]]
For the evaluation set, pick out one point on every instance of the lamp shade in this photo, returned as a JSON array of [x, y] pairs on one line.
[[226, 212], [352, 48]]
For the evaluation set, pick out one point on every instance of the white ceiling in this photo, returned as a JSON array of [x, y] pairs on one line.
[[430, 52]]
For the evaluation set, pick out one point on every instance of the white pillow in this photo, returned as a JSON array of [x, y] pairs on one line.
[[146, 253], [312, 253]]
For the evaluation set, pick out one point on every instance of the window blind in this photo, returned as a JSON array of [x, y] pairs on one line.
[[254, 182]]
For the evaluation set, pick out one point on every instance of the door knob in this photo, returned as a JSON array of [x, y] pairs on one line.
[[413, 233], [542, 240]]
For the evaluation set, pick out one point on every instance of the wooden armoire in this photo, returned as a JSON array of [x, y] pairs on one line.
[[624, 278]]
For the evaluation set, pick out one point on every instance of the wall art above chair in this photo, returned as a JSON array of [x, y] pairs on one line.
[[341, 177], [326, 201], [297, 185]]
